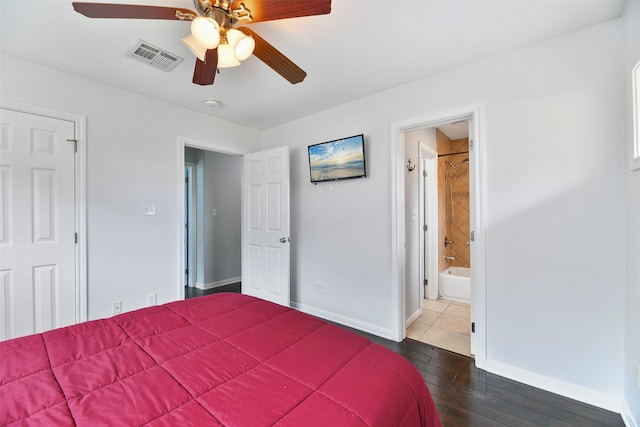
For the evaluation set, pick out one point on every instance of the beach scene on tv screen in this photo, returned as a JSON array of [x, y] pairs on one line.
[[337, 159]]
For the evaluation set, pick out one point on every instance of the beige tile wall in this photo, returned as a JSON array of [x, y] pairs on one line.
[[456, 226]]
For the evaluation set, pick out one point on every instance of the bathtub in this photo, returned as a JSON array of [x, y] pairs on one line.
[[454, 283]]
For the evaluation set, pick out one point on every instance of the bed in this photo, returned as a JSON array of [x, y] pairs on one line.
[[225, 359]]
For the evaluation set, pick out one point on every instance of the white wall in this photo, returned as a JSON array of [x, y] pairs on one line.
[[631, 27], [132, 150], [223, 173], [554, 209]]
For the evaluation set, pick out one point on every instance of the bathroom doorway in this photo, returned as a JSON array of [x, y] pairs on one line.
[[445, 319], [445, 213]]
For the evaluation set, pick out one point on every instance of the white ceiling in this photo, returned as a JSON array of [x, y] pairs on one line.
[[455, 130], [360, 48]]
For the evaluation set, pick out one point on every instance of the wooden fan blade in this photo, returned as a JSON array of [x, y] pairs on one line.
[[205, 71], [268, 10], [129, 11], [275, 59]]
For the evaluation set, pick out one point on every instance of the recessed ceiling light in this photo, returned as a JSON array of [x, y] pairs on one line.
[[213, 103]]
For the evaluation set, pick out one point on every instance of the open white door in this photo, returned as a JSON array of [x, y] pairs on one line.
[[37, 224], [429, 192], [265, 225]]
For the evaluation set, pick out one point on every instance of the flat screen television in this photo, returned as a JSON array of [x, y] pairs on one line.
[[337, 159]]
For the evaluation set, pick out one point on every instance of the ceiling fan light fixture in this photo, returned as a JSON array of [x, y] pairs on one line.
[[206, 31], [226, 57], [242, 44], [194, 47]]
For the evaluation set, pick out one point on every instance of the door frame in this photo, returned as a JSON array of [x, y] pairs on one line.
[[193, 224], [184, 142], [80, 173], [474, 113]]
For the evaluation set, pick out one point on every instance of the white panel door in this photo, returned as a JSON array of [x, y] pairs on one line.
[[265, 225], [37, 224]]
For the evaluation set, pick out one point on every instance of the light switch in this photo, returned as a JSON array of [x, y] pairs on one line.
[[214, 212], [414, 215], [149, 209]]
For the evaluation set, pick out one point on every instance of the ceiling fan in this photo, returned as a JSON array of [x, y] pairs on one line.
[[213, 39]]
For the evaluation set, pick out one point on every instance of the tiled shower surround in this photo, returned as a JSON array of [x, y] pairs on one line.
[[455, 227]]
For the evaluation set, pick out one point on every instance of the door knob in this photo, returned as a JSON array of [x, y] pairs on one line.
[[284, 239]]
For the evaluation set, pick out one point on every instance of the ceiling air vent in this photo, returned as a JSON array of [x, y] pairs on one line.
[[154, 56]]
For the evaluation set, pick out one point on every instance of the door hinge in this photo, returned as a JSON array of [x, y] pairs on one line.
[[425, 227], [473, 327], [424, 173], [471, 145], [426, 282], [186, 271], [76, 238], [186, 180], [472, 237]]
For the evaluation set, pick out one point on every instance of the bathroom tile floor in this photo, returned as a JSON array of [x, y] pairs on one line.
[[445, 324]]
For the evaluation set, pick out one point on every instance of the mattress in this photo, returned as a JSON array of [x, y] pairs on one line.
[[221, 360]]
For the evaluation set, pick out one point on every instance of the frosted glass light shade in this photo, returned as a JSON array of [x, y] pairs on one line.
[[196, 48], [206, 31], [242, 44], [226, 57]]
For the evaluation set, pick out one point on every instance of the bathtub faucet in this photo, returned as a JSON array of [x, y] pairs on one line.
[[449, 258]]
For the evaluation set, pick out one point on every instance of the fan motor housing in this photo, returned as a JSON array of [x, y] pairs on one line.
[[206, 7], [216, 9]]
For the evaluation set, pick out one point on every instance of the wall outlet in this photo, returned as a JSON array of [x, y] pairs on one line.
[[116, 307], [152, 299]]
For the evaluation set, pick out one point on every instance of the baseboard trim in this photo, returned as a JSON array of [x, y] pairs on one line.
[[211, 285], [572, 391], [346, 321], [627, 416], [413, 318]]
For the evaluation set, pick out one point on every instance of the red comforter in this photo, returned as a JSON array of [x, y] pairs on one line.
[[225, 359]]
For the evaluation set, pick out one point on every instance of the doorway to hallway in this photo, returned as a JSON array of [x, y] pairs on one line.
[[212, 212]]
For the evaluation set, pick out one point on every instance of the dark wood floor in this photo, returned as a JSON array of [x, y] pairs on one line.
[[467, 396], [195, 292]]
